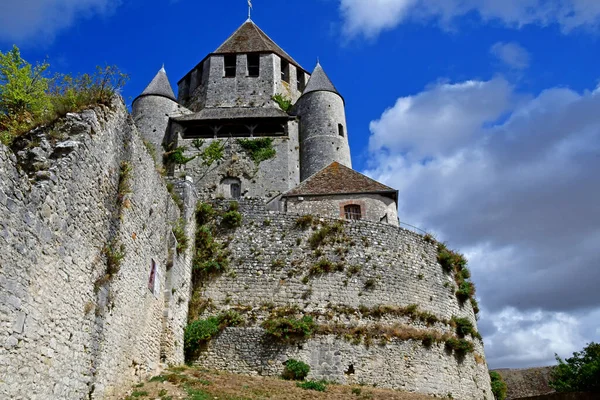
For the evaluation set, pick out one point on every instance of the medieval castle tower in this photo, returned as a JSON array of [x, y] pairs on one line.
[[235, 196]]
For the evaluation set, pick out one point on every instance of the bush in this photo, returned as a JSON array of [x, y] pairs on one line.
[[295, 370], [580, 373], [180, 236], [232, 219], [304, 222], [312, 385], [204, 213], [284, 103], [498, 386], [290, 329], [465, 291], [258, 150], [323, 266], [321, 236], [460, 346], [464, 327], [199, 332]]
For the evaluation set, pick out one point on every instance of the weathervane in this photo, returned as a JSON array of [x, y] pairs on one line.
[[249, 9]]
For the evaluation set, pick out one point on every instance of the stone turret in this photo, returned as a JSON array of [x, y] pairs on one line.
[[153, 108], [323, 133]]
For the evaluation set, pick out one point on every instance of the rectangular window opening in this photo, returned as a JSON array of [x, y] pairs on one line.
[[341, 130], [300, 78], [253, 65], [230, 66], [285, 71], [352, 212], [199, 74]]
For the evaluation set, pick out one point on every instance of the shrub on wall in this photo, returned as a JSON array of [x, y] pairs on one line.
[[201, 331], [464, 327], [289, 328], [180, 236], [327, 234], [258, 150], [498, 386], [295, 370], [454, 262]]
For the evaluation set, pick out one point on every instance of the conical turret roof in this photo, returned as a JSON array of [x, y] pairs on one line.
[[319, 81], [249, 38], [160, 86]]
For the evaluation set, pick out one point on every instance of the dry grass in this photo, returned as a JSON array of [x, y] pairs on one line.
[[199, 384]]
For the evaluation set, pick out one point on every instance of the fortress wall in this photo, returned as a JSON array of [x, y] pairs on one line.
[[265, 181], [403, 269], [59, 337]]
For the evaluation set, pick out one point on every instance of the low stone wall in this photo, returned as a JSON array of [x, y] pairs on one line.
[[64, 334], [380, 265]]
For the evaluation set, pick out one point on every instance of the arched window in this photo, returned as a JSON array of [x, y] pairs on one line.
[[352, 211]]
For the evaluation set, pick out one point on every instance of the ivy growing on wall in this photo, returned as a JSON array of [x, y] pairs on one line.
[[258, 150], [284, 103]]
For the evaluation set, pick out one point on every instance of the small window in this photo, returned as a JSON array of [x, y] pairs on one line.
[[285, 71], [300, 78], [352, 211], [341, 130], [253, 65], [236, 191], [230, 66], [199, 74]]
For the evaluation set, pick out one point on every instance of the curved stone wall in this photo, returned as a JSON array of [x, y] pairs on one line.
[[379, 265]]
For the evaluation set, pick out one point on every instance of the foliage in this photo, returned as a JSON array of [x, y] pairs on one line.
[[114, 253], [460, 346], [304, 222], [284, 103], [326, 234], [182, 239], [124, 182], [325, 266], [464, 327], [213, 153], [452, 261], [201, 331], [498, 386], [295, 370], [210, 256], [29, 98], [176, 156], [580, 373], [204, 213], [232, 219], [290, 328], [319, 386], [258, 150]]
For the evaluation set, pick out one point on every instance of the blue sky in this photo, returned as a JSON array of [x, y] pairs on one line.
[[484, 114]]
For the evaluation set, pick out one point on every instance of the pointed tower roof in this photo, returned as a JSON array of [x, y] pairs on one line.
[[160, 86], [249, 38], [339, 179], [319, 81]]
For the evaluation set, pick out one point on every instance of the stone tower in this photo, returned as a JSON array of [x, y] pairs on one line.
[[153, 108], [323, 133]]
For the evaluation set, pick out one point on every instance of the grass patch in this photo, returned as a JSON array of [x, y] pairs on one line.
[[201, 331], [290, 329], [304, 222], [328, 233], [319, 386]]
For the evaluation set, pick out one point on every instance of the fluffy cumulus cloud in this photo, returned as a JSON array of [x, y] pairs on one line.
[[512, 54], [512, 180], [373, 16], [40, 20]]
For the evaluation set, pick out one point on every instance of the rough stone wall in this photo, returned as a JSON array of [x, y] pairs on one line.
[[60, 336], [320, 141], [374, 207], [266, 180], [270, 262]]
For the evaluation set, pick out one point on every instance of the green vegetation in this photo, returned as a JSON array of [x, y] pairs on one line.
[[295, 370], [202, 330], [30, 98], [124, 187], [580, 373], [114, 253], [211, 154], [498, 386], [464, 327], [258, 150], [460, 346], [204, 213], [232, 219], [327, 234], [452, 261], [304, 222], [324, 266], [284, 103], [289, 329], [319, 386], [180, 236]]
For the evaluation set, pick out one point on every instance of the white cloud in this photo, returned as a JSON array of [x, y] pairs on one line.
[[22, 20], [510, 179], [371, 17], [511, 54]]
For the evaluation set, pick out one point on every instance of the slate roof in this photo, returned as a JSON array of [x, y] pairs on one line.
[[249, 38], [160, 86], [319, 81], [339, 179], [233, 113]]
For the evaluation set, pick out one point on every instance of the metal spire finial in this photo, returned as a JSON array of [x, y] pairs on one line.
[[249, 10]]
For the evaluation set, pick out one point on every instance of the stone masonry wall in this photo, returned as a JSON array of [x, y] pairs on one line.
[[63, 333], [381, 265]]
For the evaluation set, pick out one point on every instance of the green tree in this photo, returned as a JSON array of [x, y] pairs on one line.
[[580, 373]]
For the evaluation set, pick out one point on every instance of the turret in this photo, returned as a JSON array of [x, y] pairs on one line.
[[323, 133], [152, 109]]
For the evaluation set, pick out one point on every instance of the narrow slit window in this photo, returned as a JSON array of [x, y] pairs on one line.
[[285, 71], [341, 130], [199, 74], [300, 78], [253, 65], [353, 212], [230, 66]]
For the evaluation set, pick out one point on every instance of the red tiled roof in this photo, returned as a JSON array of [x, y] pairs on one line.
[[339, 179]]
